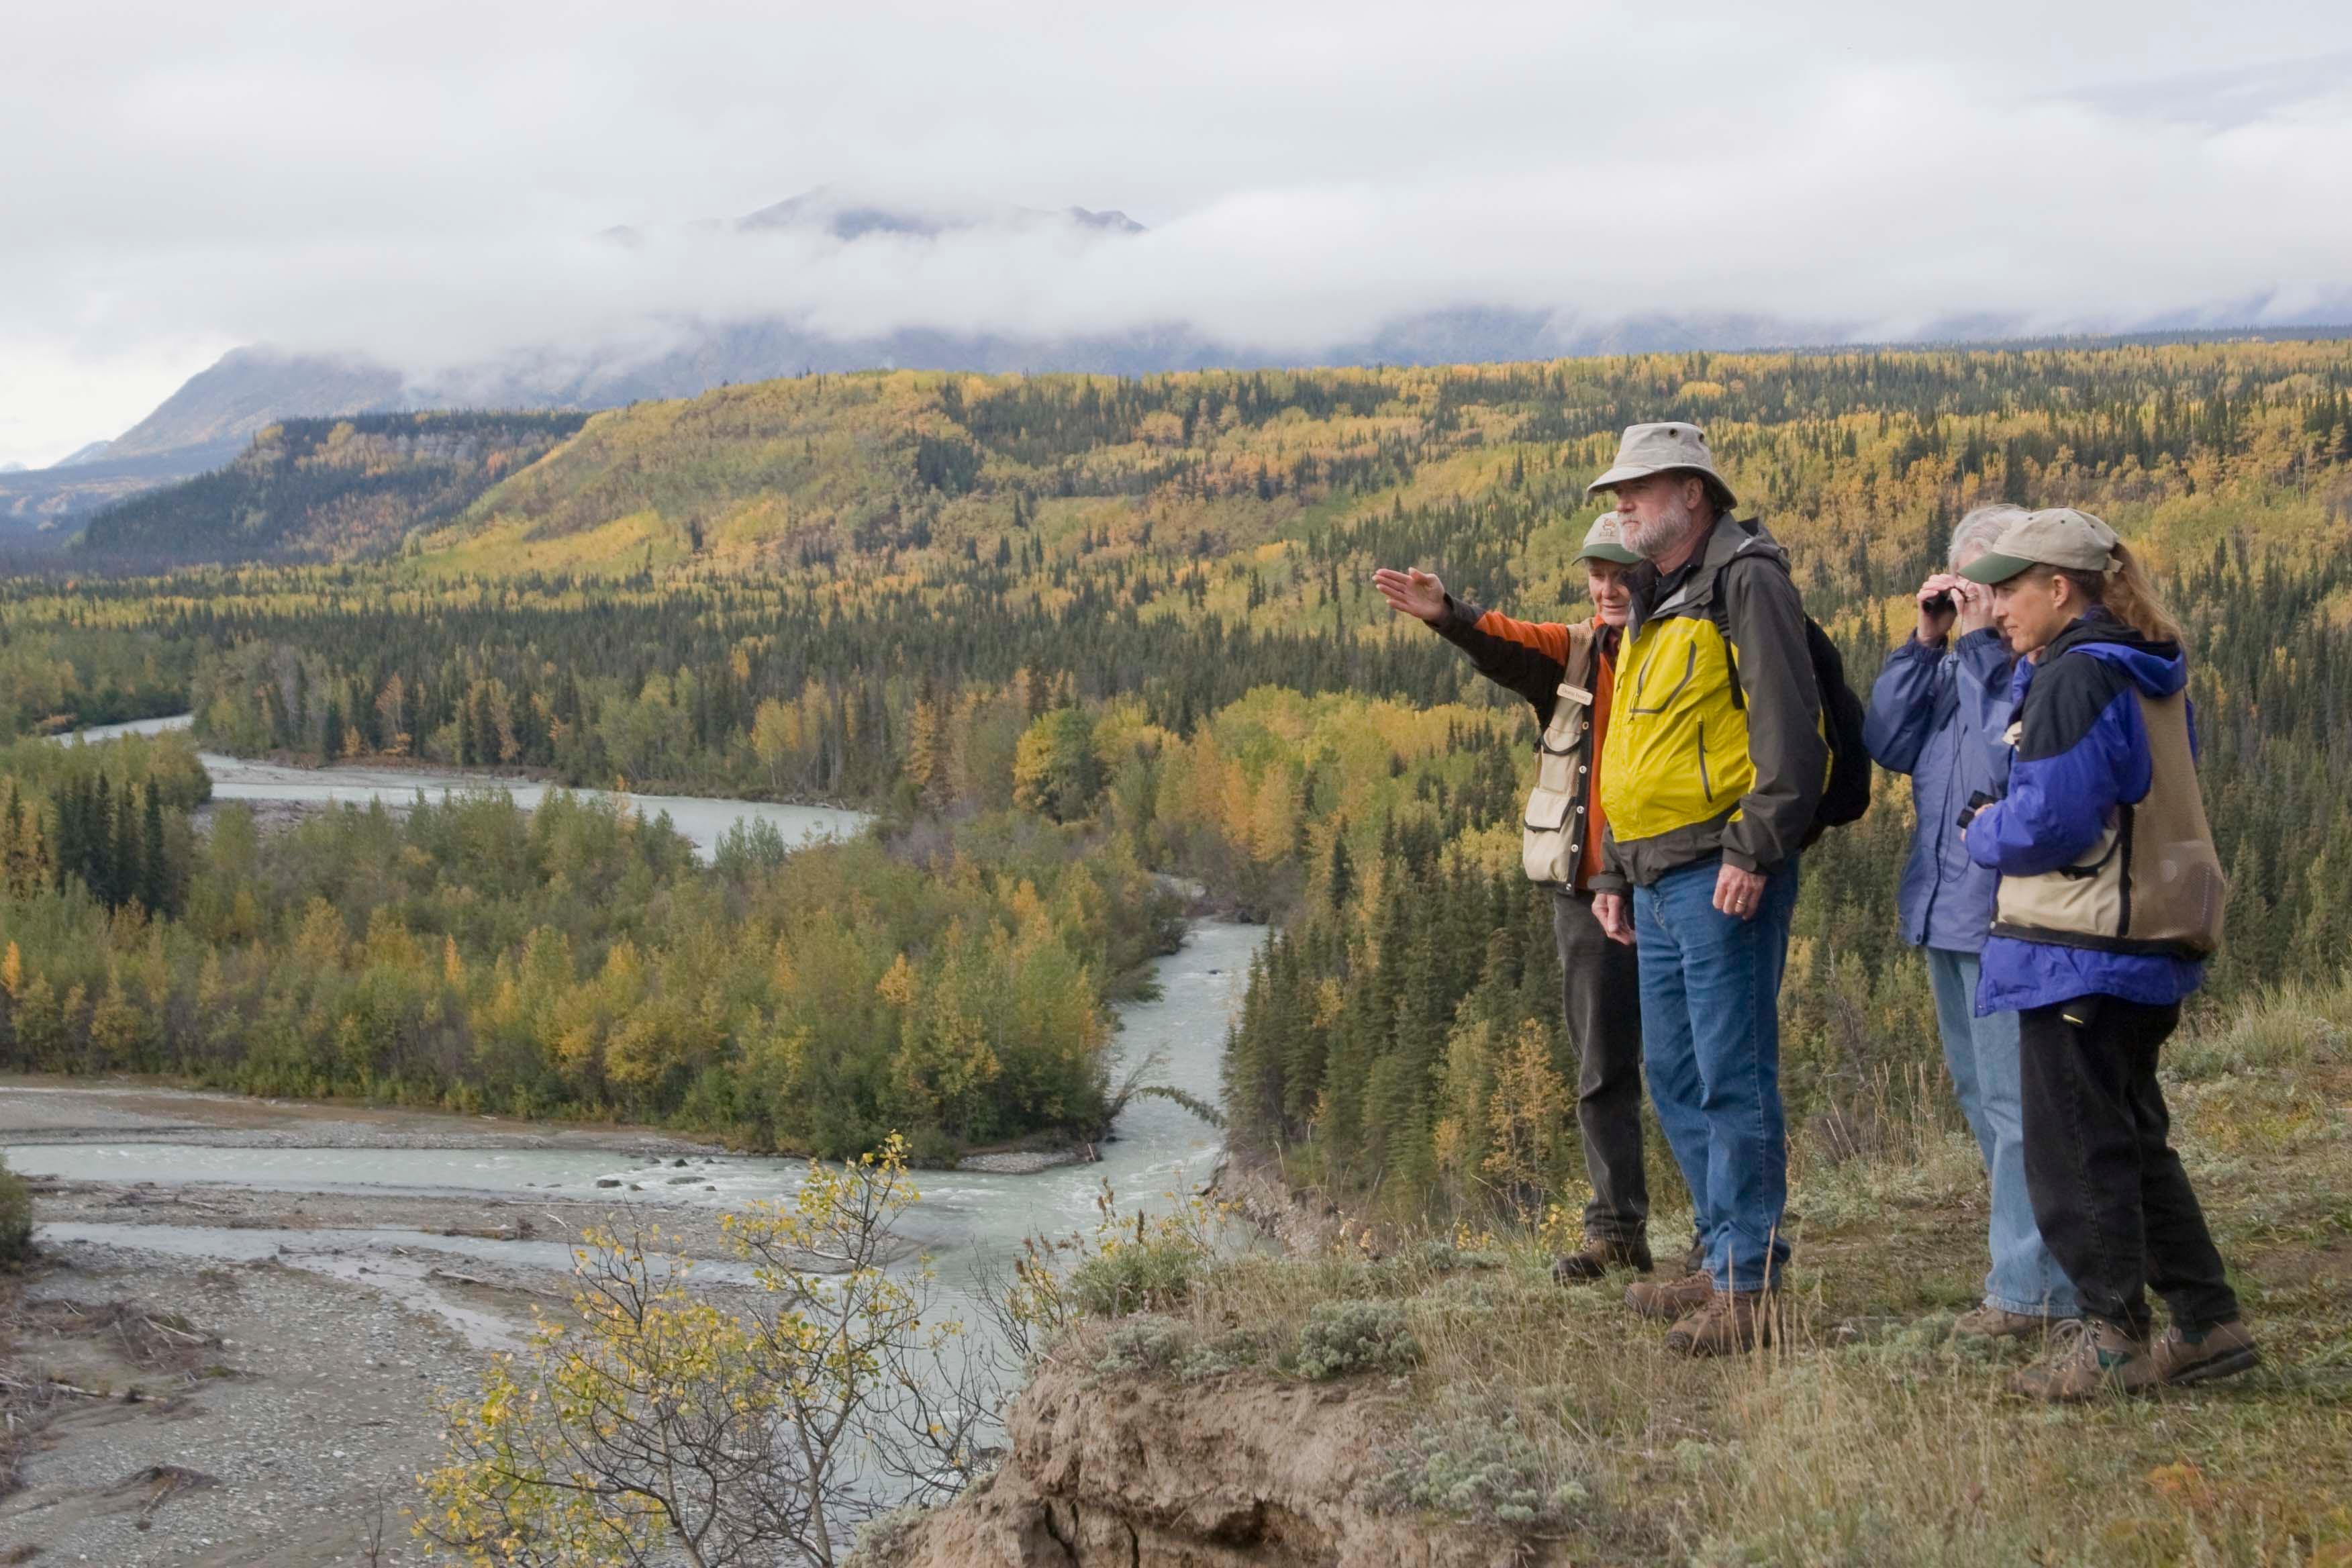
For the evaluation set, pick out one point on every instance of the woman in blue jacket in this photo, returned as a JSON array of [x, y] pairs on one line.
[[2109, 902], [1939, 712]]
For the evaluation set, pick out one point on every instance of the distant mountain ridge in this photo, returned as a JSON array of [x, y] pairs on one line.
[[211, 417], [848, 218], [247, 389], [328, 489]]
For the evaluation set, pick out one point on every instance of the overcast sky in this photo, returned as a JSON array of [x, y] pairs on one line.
[[419, 183]]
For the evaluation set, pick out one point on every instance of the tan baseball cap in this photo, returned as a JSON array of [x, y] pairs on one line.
[[1605, 541], [1647, 449], [2058, 536]]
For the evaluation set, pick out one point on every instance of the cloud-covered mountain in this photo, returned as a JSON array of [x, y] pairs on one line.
[[830, 280]]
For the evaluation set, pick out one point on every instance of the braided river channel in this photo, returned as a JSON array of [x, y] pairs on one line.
[[967, 1223]]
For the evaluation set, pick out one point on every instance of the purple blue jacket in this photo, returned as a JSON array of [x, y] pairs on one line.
[[1939, 716], [2082, 750]]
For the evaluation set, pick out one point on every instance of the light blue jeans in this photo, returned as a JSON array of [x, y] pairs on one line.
[[1711, 1046], [1982, 1055]]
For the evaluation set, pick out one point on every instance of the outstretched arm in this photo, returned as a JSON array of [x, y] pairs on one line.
[[1526, 657]]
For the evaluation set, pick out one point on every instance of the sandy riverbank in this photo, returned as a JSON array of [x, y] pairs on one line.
[[121, 1110]]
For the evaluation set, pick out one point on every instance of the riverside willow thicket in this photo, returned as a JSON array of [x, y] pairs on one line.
[[577, 960], [1136, 616]]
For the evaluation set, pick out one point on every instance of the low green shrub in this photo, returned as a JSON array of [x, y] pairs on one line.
[[1439, 1256], [1343, 1337], [1481, 1466], [16, 1218], [1147, 1345], [887, 1538], [1160, 1347]]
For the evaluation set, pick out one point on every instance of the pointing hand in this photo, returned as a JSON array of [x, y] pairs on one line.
[[1412, 592]]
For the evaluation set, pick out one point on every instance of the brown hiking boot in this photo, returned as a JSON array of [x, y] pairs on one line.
[[1670, 1299], [2087, 1357], [1991, 1322], [1730, 1322], [2221, 1350], [1597, 1257]]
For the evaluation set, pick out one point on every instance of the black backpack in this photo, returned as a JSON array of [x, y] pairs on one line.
[[1846, 795]]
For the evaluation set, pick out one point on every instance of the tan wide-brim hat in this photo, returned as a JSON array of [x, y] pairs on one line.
[[1605, 540], [1668, 448], [2057, 536]]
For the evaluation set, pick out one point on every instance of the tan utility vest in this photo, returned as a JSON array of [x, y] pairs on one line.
[[1552, 828], [2152, 883]]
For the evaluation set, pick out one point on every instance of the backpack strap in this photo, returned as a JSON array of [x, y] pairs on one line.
[[1721, 617]]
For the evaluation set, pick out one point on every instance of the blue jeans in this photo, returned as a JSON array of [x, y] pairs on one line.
[[1711, 1043], [1983, 1056]]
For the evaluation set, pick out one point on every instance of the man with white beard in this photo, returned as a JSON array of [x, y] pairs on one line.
[[1712, 772]]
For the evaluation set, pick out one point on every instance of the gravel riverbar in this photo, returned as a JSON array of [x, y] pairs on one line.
[[289, 1429]]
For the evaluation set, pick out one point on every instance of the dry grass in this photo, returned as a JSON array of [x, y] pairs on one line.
[[1871, 1437]]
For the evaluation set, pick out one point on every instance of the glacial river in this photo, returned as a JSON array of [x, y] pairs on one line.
[[702, 820], [1157, 1148], [965, 1221]]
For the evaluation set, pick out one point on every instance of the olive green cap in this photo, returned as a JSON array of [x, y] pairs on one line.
[[2056, 536], [1605, 540]]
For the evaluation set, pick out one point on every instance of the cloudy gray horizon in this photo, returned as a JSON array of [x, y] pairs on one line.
[[425, 187]]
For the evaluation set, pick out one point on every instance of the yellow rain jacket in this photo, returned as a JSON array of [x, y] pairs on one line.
[[1715, 745]]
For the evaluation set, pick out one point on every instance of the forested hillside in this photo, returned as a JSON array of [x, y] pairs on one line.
[[326, 489], [1139, 612]]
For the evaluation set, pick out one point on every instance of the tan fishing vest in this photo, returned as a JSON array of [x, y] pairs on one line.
[[1552, 828], [2152, 882]]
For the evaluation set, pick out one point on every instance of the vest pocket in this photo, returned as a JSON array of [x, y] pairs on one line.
[[1552, 834], [1555, 774]]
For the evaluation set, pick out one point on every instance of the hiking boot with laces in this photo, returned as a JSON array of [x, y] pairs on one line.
[[1991, 1322], [1670, 1299], [2088, 1357], [2219, 1349], [1730, 1322], [1597, 1257]]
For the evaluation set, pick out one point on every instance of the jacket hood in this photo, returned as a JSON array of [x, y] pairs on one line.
[[2157, 668]]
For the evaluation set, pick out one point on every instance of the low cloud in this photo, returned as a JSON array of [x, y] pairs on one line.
[[1305, 181]]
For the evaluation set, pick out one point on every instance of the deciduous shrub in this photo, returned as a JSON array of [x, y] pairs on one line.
[[16, 1218], [1135, 1277]]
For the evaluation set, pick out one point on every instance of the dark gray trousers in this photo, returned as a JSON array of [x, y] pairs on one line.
[[2114, 1206], [1601, 1003]]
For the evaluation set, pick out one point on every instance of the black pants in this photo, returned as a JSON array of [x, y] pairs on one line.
[[1600, 1001], [2113, 1204]]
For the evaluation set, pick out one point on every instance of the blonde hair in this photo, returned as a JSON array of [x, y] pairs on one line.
[[2129, 595]]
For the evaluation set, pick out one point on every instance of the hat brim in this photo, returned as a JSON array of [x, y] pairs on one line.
[[1616, 553], [1990, 567], [1625, 472]]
